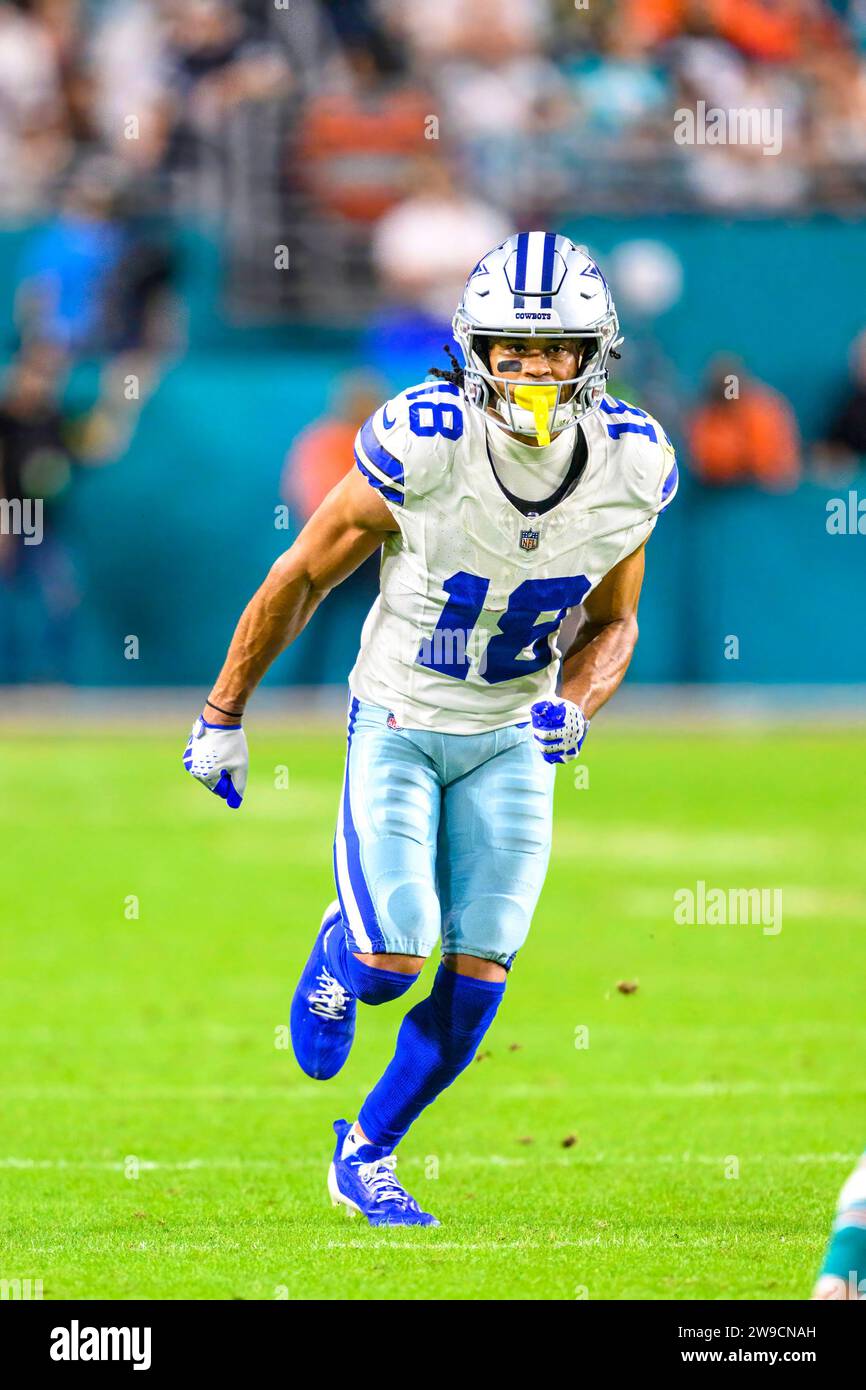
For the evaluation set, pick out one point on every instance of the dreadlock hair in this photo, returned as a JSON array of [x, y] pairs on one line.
[[456, 374]]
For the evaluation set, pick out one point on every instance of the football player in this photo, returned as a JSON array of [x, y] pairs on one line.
[[503, 494], [843, 1273]]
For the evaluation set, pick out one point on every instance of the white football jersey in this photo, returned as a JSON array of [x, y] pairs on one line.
[[473, 592]]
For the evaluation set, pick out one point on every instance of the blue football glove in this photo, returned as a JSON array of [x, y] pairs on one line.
[[559, 728], [216, 754]]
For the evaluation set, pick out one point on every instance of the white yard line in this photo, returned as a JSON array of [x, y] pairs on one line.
[[461, 1245], [446, 1161]]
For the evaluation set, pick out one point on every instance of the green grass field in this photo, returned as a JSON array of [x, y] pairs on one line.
[[158, 1143]]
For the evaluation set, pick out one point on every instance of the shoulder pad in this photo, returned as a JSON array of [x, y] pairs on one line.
[[656, 476], [406, 446]]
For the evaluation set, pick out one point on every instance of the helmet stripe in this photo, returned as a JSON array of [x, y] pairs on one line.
[[547, 268], [533, 273], [520, 273]]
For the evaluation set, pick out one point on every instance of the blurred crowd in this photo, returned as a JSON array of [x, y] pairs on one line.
[[543, 104], [360, 125]]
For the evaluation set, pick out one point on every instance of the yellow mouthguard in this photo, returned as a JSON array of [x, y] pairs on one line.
[[540, 400]]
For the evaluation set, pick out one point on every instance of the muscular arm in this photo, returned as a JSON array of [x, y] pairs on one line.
[[598, 657], [349, 526]]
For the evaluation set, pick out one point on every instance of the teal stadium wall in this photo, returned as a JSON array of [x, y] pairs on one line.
[[171, 540]]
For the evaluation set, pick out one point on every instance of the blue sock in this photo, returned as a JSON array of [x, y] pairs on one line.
[[436, 1042], [366, 982]]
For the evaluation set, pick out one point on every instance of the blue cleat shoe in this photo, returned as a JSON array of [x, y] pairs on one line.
[[361, 1178], [323, 1012]]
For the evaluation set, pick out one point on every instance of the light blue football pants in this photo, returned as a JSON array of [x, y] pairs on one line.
[[441, 835]]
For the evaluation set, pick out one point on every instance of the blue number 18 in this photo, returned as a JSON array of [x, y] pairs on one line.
[[521, 646]]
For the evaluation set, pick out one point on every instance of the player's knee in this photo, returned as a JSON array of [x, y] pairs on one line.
[[410, 916], [478, 967], [374, 979], [493, 927]]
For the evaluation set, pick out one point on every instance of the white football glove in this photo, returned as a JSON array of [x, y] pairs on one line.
[[216, 754], [559, 728]]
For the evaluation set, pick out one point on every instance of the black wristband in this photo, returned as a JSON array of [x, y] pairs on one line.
[[232, 713]]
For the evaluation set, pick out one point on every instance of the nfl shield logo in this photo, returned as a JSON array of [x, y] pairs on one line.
[[529, 540]]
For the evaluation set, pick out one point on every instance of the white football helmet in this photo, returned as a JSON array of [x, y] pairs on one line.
[[536, 284]]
